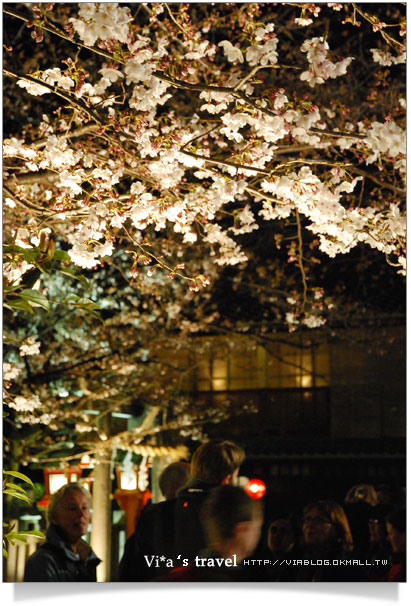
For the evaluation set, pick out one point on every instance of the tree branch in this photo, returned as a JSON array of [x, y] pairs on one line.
[[300, 261], [82, 106], [262, 171]]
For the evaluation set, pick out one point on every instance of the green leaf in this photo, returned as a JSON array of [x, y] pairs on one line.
[[72, 274], [21, 476], [30, 254], [32, 533], [71, 298], [5, 554], [88, 303], [18, 495], [16, 536], [19, 304], [9, 248], [36, 297], [61, 255], [7, 289], [15, 487]]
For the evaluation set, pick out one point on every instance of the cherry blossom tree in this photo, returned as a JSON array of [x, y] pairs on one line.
[[161, 153]]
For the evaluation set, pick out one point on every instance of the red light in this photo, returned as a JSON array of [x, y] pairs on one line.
[[255, 489]]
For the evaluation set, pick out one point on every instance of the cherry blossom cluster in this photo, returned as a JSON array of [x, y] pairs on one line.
[[385, 58], [321, 68], [145, 166]]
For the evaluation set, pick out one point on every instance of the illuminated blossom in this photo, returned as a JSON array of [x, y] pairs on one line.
[[30, 347], [23, 404], [321, 68], [231, 52], [33, 88], [385, 58], [10, 371], [103, 21]]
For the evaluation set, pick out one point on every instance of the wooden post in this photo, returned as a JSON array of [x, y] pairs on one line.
[[159, 464], [101, 521]]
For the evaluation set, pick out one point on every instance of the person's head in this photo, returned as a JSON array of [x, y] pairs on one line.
[[173, 477], [217, 462], [69, 510], [325, 523], [232, 520], [280, 536], [397, 530], [362, 493]]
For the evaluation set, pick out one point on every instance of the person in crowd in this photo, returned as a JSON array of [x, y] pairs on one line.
[[397, 537], [359, 505], [231, 521], [154, 534], [172, 478], [214, 463], [281, 541], [65, 556], [362, 493], [326, 536], [280, 537]]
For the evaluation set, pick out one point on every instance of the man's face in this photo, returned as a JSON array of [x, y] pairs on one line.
[[73, 515], [280, 536]]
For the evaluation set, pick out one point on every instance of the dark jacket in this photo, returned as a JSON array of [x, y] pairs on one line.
[[189, 538], [54, 560], [154, 536]]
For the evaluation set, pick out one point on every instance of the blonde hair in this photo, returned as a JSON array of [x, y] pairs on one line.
[[215, 460], [336, 515], [58, 496]]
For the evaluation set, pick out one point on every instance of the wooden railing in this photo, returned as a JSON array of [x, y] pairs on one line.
[[17, 556]]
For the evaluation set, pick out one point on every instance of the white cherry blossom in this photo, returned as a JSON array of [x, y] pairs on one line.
[[231, 52], [29, 347]]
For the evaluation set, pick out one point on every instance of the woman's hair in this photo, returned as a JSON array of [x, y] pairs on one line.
[[215, 460], [336, 515], [56, 497], [362, 493]]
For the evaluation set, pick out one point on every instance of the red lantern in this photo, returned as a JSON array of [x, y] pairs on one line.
[[255, 489]]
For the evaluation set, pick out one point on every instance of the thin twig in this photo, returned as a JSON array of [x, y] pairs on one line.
[[263, 171], [156, 259], [82, 106], [300, 261]]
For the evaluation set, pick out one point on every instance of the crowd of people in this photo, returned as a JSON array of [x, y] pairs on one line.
[[210, 529]]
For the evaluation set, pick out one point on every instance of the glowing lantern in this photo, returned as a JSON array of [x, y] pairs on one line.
[[255, 489]]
